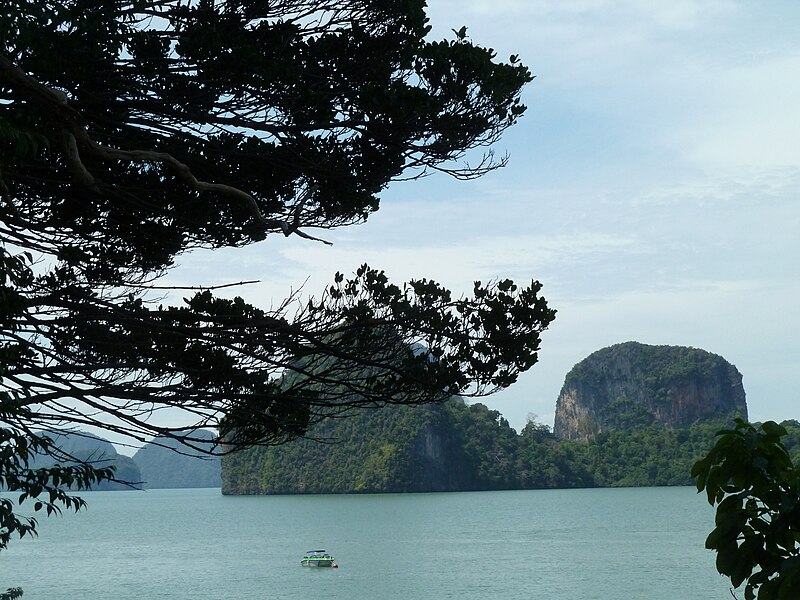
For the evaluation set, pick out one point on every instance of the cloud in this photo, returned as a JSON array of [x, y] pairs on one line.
[[745, 116], [706, 83], [652, 188], [679, 14]]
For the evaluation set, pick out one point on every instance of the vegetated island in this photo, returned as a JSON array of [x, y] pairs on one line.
[[628, 415], [166, 463], [78, 446], [631, 385], [161, 463]]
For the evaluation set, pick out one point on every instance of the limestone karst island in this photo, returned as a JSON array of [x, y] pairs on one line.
[[628, 415]]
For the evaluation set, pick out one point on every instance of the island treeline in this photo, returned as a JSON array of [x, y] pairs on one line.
[[450, 447], [459, 447]]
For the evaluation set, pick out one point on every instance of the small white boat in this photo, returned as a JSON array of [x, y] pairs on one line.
[[317, 558]]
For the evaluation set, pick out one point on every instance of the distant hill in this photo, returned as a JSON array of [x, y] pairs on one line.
[[97, 451], [164, 467], [629, 386], [155, 465]]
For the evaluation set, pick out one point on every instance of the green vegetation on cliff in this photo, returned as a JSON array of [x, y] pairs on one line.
[[467, 447], [662, 364], [392, 449], [628, 415], [629, 386]]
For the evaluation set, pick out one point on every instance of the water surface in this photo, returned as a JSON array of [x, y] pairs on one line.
[[632, 543]]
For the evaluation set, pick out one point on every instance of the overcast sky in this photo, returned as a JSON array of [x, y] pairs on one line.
[[652, 189]]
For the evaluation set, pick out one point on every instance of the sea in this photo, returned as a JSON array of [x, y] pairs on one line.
[[604, 544]]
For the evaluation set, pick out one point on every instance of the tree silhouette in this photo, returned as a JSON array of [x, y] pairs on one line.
[[135, 130]]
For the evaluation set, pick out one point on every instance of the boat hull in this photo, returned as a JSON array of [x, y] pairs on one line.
[[317, 563]]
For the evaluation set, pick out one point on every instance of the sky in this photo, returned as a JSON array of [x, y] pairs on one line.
[[652, 189]]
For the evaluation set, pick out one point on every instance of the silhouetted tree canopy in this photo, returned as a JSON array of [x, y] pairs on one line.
[[133, 131]]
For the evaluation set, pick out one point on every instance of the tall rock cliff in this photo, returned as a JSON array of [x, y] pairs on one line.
[[631, 385]]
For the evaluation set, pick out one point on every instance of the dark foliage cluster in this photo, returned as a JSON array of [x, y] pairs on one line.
[[132, 131], [751, 477]]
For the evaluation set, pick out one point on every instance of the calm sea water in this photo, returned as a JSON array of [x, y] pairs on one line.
[[636, 543]]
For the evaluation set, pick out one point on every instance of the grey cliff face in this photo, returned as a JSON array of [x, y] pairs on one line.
[[632, 385]]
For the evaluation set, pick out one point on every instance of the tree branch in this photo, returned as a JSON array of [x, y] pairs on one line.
[[73, 133]]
